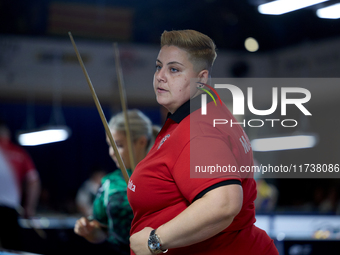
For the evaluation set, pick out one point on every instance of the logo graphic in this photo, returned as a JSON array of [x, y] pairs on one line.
[[204, 97], [163, 140], [207, 91], [239, 101], [131, 186], [245, 142]]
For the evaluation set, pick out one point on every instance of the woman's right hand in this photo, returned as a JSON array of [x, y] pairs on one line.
[[90, 230]]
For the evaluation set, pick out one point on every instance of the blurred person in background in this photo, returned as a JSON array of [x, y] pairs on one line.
[[267, 193], [112, 214], [17, 171], [330, 202], [87, 192]]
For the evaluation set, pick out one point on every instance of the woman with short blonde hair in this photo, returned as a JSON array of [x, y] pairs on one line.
[[112, 214], [178, 212]]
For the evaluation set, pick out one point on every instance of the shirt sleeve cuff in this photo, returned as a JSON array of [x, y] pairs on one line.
[[214, 186]]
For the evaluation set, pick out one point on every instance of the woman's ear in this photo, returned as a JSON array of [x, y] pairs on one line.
[[203, 76]]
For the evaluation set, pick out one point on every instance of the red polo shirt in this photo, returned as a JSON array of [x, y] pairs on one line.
[[16, 167], [165, 183]]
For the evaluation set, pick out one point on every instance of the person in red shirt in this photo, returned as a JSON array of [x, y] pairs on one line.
[[179, 207], [16, 169]]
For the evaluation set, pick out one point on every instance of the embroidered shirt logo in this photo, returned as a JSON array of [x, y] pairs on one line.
[[245, 142], [163, 140], [131, 186]]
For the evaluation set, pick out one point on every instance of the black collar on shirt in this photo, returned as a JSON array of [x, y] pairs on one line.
[[185, 109]]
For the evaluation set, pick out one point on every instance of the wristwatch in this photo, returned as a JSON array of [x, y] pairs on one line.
[[154, 243]]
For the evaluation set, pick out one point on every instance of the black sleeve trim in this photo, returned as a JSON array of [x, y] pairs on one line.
[[223, 183]]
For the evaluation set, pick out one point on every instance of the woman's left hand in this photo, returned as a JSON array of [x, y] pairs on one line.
[[139, 242]]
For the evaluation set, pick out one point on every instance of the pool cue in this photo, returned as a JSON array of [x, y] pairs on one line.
[[39, 231], [100, 111], [124, 104]]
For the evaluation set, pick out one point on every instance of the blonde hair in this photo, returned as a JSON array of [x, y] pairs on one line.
[[201, 48], [139, 124]]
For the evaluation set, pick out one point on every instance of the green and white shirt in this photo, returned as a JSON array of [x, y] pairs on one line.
[[111, 207]]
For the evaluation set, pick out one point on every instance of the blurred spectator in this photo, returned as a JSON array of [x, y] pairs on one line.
[[330, 204], [17, 172], [267, 194], [318, 197], [87, 192], [44, 205]]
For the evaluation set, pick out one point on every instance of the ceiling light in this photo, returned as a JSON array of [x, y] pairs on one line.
[[329, 12], [56, 130], [44, 136], [299, 141], [279, 7], [251, 44]]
